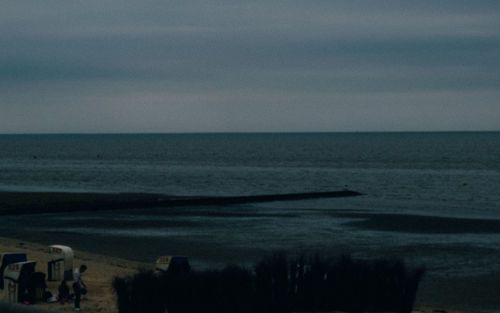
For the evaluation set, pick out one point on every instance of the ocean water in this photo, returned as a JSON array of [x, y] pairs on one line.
[[430, 198]]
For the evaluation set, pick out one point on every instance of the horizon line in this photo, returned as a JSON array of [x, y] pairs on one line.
[[249, 132]]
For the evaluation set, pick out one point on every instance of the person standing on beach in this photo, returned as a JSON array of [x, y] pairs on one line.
[[78, 284]]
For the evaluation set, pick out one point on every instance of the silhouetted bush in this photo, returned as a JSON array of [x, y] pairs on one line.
[[277, 284], [236, 286], [380, 285], [141, 293], [271, 284]]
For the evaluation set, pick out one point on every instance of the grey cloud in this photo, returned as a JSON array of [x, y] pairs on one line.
[[186, 57], [272, 62]]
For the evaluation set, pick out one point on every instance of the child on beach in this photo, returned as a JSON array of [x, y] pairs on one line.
[[78, 285]]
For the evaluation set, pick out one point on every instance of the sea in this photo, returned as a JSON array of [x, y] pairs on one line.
[[430, 198]]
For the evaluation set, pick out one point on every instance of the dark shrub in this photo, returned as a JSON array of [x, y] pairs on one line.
[[278, 285], [140, 293], [120, 286], [235, 290], [271, 284], [380, 285], [176, 291]]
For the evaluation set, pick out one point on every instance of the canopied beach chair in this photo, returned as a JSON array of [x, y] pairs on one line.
[[9, 258]]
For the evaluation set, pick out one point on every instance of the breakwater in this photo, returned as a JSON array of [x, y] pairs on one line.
[[44, 202]]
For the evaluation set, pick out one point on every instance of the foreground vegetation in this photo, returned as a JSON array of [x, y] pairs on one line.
[[277, 284], [21, 308]]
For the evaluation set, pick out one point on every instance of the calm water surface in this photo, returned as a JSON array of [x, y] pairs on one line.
[[449, 175]]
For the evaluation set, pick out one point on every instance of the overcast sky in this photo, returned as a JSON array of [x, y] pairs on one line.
[[196, 66]]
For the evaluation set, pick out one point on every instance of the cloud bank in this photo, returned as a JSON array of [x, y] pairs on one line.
[[197, 66]]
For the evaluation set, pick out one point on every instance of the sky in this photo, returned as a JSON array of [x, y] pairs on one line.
[[121, 66]]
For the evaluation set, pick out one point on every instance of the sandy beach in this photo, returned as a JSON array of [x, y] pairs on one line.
[[101, 270]]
